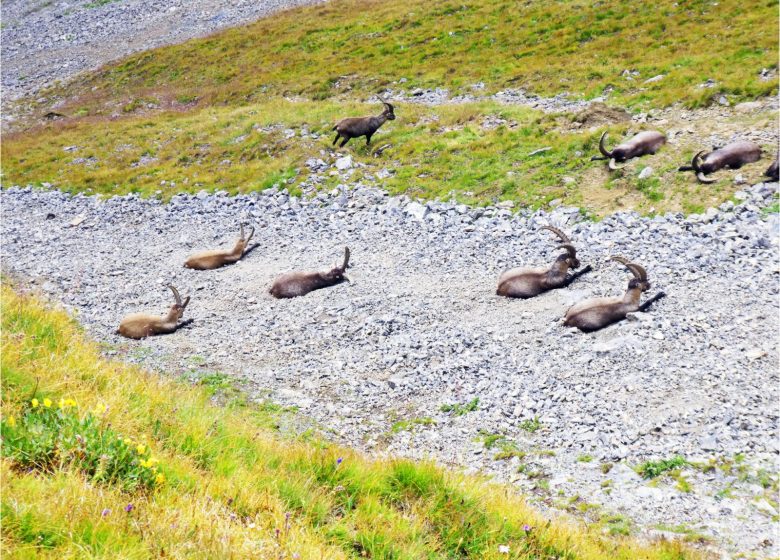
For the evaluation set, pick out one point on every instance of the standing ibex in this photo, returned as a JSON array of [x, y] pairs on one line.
[[354, 127], [733, 156], [647, 142], [295, 284], [594, 314], [530, 282], [141, 325], [208, 260]]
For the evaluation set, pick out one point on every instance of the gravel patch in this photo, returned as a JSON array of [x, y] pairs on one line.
[[45, 41], [419, 327]]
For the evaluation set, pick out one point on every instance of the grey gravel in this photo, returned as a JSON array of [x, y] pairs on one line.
[[419, 326], [45, 41]]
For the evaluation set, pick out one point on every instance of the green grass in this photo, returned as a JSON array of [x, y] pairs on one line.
[[409, 425], [359, 47], [653, 469], [460, 409], [233, 487], [531, 425]]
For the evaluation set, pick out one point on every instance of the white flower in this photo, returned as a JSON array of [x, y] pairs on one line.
[[503, 549]]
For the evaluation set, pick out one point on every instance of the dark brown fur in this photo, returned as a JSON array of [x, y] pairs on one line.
[[644, 143], [530, 282], [593, 314], [355, 127], [731, 156], [772, 171], [294, 284]]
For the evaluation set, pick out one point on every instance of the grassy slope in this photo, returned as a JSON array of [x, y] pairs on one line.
[[572, 46], [436, 152], [231, 479]]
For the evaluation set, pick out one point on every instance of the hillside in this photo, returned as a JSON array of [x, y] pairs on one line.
[[409, 412], [228, 485]]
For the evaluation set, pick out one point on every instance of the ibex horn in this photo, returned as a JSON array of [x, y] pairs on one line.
[[176, 295], [557, 232], [635, 269], [346, 258]]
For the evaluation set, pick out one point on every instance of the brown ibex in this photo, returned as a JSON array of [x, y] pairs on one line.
[[355, 127], [294, 284], [644, 143], [732, 156], [141, 325], [593, 314], [208, 260], [530, 282]]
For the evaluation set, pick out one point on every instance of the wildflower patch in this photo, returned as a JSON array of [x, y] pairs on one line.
[[47, 437]]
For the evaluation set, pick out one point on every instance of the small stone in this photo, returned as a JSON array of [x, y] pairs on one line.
[[646, 173], [344, 163]]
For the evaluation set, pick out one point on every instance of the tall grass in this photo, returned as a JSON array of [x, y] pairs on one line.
[[233, 487]]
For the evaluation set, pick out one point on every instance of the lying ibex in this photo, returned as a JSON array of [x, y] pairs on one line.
[[772, 171], [141, 325], [295, 284], [594, 314], [644, 143], [208, 260], [355, 127], [733, 156], [530, 282]]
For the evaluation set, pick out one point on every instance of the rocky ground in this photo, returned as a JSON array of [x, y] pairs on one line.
[[377, 360], [49, 40]]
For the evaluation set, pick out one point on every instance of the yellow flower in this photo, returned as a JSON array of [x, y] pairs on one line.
[[47, 403], [146, 464], [160, 478], [128, 442], [153, 460], [140, 448], [100, 409], [34, 403], [11, 421], [70, 402]]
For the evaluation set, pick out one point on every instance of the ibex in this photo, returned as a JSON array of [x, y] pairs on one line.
[[530, 282], [141, 325], [594, 314], [355, 127], [208, 260], [644, 143], [733, 156], [772, 171], [294, 284]]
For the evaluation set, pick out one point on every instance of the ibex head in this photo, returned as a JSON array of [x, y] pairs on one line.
[[389, 111], [570, 256], [337, 273], [639, 281], [177, 309]]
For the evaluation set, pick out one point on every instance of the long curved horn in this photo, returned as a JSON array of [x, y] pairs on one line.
[[695, 161], [346, 258], [388, 106], [635, 269], [569, 249], [614, 166], [557, 232], [251, 233], [176, 295], [602, 149], [241, 232]]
